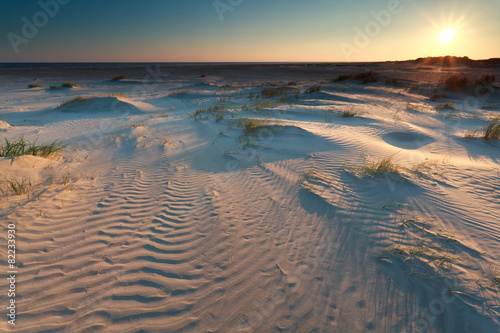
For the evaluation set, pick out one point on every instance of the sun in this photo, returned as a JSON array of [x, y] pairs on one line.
[[447, 36]]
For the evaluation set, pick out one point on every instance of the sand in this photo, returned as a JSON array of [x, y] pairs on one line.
[[156, 220]]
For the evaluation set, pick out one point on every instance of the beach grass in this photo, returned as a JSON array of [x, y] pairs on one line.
[[21, 147], [491, 131], [17, 187], [118, 78], [349, 113], [380, 167], [445, 106], [313, 89], [365, 77]]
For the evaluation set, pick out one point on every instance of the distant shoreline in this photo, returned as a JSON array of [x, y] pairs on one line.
[[447, 61]]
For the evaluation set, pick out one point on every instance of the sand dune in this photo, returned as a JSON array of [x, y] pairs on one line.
[[3, 125], [153, 220]]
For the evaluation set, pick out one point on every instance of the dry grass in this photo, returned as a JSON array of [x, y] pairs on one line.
[[118, 78], [461, 83], [313, 89], [380, 167], [180, 92], [366, 77], [492, 130], [349, 113], [445, 106], [273, 92], [78, 99]]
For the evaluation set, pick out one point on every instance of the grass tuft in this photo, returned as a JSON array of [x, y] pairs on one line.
[[348, 113], [313, 89], [445, 106], [461, 83], [180, 92], [18, 187], [366, 77], [78, 99], [273, 92], [21, 147], [55, 87], [68, 85], [492, 130], [34, 85], [118, 78], [380, 167]]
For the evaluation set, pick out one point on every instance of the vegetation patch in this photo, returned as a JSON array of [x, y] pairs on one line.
[[349, 113], [490, 131], [445, 106], [313, 89], [462, 83], [118, 78], [33, 85], [180, 92], [365, 77], [21, 147], [17, 187]]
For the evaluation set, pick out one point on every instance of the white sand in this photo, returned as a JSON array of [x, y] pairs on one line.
[[167, 225]]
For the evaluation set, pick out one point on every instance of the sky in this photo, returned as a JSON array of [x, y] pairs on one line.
[[245, 30]]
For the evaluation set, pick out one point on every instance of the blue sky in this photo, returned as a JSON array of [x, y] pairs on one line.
[[250, 30]]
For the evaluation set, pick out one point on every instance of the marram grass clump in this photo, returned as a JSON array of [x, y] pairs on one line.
[[21, 147]]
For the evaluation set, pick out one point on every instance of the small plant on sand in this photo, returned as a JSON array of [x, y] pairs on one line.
[[137, 125], [329, 116], [380, 167], [491, 131], [469, 134], [445, 106], [68, 85], [180, 92], [18, 187], [273, 92], [251, 124], [33, 85], [366, 77], [348, 113], [313, 89], [78, 99], [118, 78], [490, 106], [219, 116], [462, 83], [117, 95], [495, 276], [215, 108], [436, 96], [66, 180], [55, 87], [21, 147]]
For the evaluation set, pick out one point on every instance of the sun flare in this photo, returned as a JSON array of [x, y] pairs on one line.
[[447, 36]]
